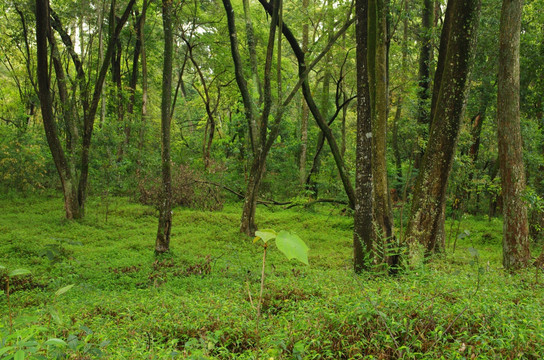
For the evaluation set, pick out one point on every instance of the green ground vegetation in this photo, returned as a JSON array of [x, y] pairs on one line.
[[200, 301]]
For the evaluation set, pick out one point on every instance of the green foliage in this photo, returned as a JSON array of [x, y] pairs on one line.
[[196, 304]]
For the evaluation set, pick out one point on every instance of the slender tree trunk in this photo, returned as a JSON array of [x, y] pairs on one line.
[[305, 110], [457, 43], [320, 120], [363, 229], [398, 113], [162, 244], [101, 57], [424, 83], [144, 85], [248, 225], [90, 108], [516, 252], [138, 28]]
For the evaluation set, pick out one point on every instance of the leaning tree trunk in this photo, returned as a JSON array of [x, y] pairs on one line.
[[363, 230], [515, 243], [426, 224], [68, 181], [162, 243]]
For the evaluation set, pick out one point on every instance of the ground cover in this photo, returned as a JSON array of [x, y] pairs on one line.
[[199, 302]]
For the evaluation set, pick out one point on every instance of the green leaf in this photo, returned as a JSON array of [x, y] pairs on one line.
[[265, 235], [56, 342], [18, 272], [19, 355], [63, 290], [292, 246], [5, 350]]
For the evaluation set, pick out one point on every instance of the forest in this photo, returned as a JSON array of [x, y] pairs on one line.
[[271, 179]]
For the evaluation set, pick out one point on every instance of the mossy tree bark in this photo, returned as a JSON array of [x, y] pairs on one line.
[[162, 243], [516, 252], [457, 44], [379, 106], [363, 229]]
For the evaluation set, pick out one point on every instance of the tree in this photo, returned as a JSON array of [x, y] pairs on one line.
[[303, 70], [424, 81], [162, 243], [516, 252], [456, 51], [74, 195], [363, 229], [378, 74]]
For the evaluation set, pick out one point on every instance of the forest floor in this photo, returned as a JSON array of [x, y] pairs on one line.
[[200, 302]]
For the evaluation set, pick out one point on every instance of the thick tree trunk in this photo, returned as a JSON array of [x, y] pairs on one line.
[[162, 243], [379, 102], [363, 229], [426, 224], [516, 252]]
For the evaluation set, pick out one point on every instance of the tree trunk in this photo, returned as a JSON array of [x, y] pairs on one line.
[[248, 225], [71, 205], [516, 253], [305, 110], [424, 82], [426, 224], [162, 243], [363, 230], [141, 135], [379, 102], [138, 28]]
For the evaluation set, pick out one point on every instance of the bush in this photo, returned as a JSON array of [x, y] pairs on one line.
[[188, 189]]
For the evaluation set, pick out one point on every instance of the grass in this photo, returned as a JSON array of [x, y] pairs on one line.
[[197, 302]]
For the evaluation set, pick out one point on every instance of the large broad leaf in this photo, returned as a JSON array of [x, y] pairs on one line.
[[292, 246], [19, 355], [265, 235], [18, 272]]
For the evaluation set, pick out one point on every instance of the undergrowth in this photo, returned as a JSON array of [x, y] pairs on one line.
[[197, 302]]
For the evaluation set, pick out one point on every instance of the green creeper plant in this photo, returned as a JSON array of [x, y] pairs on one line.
[[291, 245]]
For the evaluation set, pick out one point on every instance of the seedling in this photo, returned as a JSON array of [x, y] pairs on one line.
[[16, 272], [289, 244]]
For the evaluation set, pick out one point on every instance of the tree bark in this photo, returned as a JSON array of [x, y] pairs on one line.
[[162, 243], [458, 38], [363, 229], [424, 82], [379, 103], [305, 110], [516, 252]]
